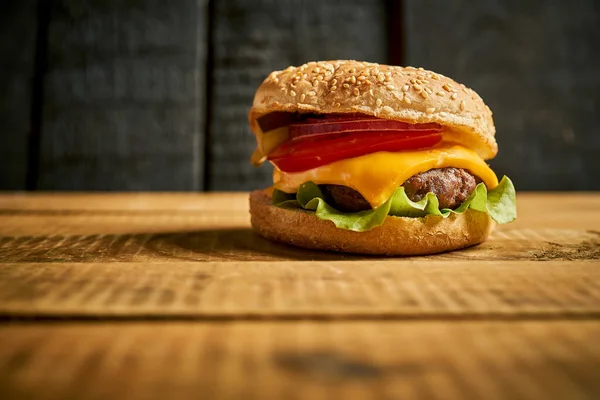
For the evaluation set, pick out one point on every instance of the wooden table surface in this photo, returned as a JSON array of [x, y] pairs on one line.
[[166, 296]]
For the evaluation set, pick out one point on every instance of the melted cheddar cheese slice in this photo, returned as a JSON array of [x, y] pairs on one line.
[[377, 175]]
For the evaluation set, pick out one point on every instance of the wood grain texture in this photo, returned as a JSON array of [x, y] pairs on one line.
[[415, 289], [253, 38], [536, 65], [18, 20], [215, 227], [123, 107], [72, 202], [194, 255], [144, 296], [302, 360], [560, 210], [225, 236]]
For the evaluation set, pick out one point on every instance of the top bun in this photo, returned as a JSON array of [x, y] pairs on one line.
[[413, 95]]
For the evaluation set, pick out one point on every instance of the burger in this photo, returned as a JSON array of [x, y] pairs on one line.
[[375, 159]]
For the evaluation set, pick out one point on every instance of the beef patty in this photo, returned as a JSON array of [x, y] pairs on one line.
[[452, 186]]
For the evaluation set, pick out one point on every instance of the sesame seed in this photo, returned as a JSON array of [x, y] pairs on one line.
[[362, 78], [334, 82], [435, 77], [368, 83], [424, 81], [315, 83], [423, 94], [421, 69], [333, 89], [428, 90], [346, 86], [454, 96], [356, 91], [275, 104], [337, 105], [311, 93], [378, 103], [405, 88], [407, 100], [292, 93], [380, 77], [388, 109], [317, 70], [477, 116], [417, 87], [353, 79], [276, 80], [371, 92], [302, 97], [446, 87], [443, 113], [388, 74], [430, 110], [352, 70], [465, 90], [413, 81], [390, 87], [462, 105], [440, 93]]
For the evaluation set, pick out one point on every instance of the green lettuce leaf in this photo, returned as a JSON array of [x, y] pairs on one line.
[[499, 203]]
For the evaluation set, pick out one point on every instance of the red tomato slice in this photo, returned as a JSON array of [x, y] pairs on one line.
[[276, 120], [314, 151], [321, 118], [346, 125]]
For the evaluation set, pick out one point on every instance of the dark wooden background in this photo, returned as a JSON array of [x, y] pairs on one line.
[[153, 95]]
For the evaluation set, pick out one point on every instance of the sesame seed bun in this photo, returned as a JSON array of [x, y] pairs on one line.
[[397, 235], [396, 93]]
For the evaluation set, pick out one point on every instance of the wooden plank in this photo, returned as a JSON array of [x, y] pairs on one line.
[[226, 235], [215, 227], [18, 22], [154, 246], [124, 91], [422, 288], [562, 210], [284, 360], [251, 39], [536, 65], [43, 202]]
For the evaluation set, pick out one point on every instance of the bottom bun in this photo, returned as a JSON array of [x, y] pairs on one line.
[[396, 236]]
